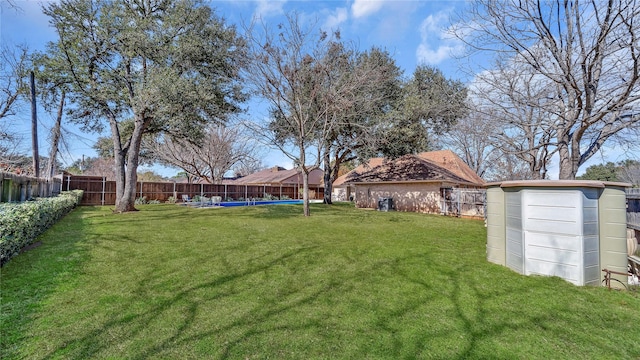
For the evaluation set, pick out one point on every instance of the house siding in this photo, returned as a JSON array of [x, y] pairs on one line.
[[415, 197], [339, 194]]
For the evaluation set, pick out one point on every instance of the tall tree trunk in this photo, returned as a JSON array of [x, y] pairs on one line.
[[305, 181], [34, 128], [128, 200], [55, 140], [327, 178], [119, 157], [305, 191], [565, 172]]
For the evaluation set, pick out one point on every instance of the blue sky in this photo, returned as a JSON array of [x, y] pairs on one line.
[[412, 31]]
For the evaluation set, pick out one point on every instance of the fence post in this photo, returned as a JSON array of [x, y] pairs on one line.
[[459, 196], [104, 186]]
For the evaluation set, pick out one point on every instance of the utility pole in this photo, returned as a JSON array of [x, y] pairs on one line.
[[34, 126]]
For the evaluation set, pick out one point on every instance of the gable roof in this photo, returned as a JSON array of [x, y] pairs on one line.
[[452, 162], [279, 175], [373, 162], [442, 165]]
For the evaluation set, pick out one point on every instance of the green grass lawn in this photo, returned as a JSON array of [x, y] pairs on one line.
[[264, 282]]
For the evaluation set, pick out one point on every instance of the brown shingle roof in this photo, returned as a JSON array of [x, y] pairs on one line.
[[442, 165], [450, 161], [406, 168], [373, 162], [279, 175]]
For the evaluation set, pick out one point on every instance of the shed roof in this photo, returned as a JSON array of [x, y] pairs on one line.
[[558, 184]]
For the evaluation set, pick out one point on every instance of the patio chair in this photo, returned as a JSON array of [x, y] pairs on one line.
[[216, 200], [189, 201], [205, 201]]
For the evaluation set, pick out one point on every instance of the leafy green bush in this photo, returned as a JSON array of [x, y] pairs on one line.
[[21, 223], [269, 197], [154, 201], [171, 200]]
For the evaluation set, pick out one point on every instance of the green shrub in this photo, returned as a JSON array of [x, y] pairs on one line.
[[171, 200], [21, 223], [154, 201]]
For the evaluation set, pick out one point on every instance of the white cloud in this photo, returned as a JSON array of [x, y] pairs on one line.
[[436, 43], [362, 8], [433, 56], [335, 19], [267, 8]]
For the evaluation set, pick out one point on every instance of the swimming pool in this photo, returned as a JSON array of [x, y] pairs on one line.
[[260, 202]]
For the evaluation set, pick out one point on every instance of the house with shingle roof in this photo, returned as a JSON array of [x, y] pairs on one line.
[[277, 175], [429, 182]]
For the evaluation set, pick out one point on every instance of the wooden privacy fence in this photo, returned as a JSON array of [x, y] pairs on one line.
[[19, 188], [100, 191]]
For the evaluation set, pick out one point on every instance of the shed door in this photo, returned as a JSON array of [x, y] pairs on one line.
[[553, 234]]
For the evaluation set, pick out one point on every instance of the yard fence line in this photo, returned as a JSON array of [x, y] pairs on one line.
[[463, 202], [100, 191], [19, 188]]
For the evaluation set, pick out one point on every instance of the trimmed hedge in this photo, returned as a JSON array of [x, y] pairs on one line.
[[21, 223]]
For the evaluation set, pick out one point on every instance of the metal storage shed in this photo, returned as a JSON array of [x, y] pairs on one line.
[[570, 229]]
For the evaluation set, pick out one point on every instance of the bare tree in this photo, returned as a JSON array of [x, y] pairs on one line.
[[287, 68], [513, 100], [99, 166], [471, 139], [508, 167], [14, 62], [629, 171], [248, 166], [221, 149], [53, 85], [587, 54]]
